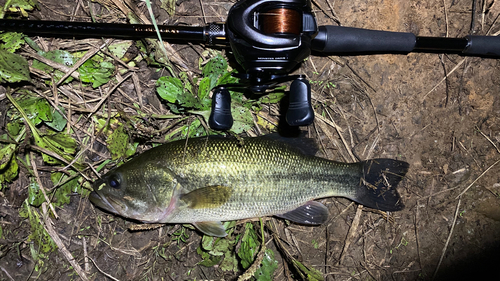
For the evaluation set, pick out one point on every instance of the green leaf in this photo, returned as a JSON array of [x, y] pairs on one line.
[[249, 246], [13, 68], [207, 242], [221, 247], [22, 4], [61, 195], [62, 141], [38, 233], [272, 97], [6, 153], [243, 119], [169, 88], [169, 6], [19, 6], [42, 108], [54, 144], [214, 68], [311, 273], [118, 143], [193, 130], [208, 260], [37, 109], [9, 170], [230, 262], [212, 71], [269, 265], [35, 195], [12, 41], [97, 73], [119, 49], [58, 122], [14, 128], [204, 88], [59, 56]]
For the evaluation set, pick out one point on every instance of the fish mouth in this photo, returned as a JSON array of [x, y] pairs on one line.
[[101, 202]]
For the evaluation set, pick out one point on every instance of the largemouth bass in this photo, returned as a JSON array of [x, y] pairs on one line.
[[207, 180]]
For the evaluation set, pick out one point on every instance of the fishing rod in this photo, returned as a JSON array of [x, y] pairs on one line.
[[269, 38]]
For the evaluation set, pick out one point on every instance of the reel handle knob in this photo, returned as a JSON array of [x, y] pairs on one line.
[[220, 117], [300, 111]]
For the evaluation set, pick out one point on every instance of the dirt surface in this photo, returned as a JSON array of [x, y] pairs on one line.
[[440, 113]]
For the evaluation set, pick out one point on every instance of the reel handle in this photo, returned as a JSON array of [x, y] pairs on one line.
[[220, 116], [300, 111]]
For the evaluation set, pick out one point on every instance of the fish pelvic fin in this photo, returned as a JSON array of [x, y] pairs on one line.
[[207, 197], [377, 188], [211, 228]]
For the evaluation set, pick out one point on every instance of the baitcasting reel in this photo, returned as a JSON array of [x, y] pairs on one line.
[[270, 38]]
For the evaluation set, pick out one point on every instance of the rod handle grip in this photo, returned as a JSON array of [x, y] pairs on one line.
[[350, 40], [482, 45]]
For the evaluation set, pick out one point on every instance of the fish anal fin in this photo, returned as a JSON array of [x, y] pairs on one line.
[[312, 212], [211, 228], [207, 197]]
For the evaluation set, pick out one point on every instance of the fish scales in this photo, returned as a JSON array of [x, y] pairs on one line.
[[219, 179], [266, 176]]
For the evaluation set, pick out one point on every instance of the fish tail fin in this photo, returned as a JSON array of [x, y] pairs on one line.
[[377, 188]]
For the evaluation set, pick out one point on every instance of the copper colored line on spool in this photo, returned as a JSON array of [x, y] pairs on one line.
[[280, 20]]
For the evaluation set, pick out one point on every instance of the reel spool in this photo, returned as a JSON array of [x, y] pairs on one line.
[[280, 21], [270, 37]]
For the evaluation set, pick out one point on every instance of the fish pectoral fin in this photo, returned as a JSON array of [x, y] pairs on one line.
[[310, 213], [207, 197], [211, 228]]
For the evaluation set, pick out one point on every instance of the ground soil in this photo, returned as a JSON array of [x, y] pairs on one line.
[[440, 113]]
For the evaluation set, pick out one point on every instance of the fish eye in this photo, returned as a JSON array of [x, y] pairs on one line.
[[114, 182]]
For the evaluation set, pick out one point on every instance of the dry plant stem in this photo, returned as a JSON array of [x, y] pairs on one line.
[[42, 188], [446, 77], [417, 236], [445, 17], [493, 24], [483, 13], [58, 157], [115, 58], [98, 105], [48, 225], [487, 138], [203, 12], [334, 17], [53, 64], [87, 56], [138, 89], [352, 233], [106, 274], [85, 255], [482, 174], [447, 240], [7, 273]]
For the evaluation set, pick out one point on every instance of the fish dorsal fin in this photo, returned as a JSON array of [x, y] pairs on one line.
[[207, 197], [211, 228], [312, 212], [304, 144]]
